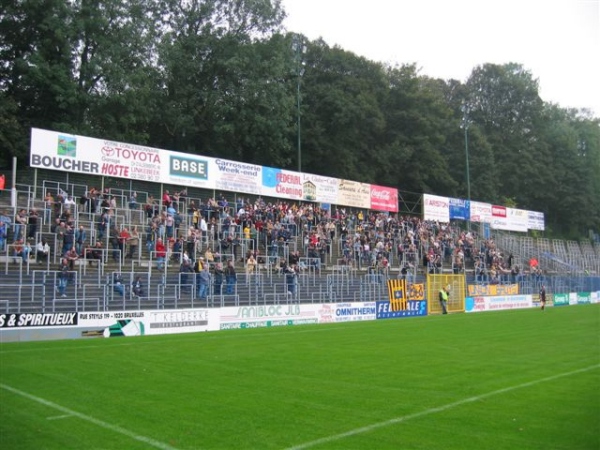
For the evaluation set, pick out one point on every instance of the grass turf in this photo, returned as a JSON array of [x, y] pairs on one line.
[[522, 379]]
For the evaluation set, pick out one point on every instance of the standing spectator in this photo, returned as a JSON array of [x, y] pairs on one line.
[[290, 280], [114, 242], [68, 239], [84, 202], [63, 277], [218, 278], [80, 238], [32, 226], [123, 240], [69, 204], [150, 207], [230, 277], [20, 224], [103, 221], [443, 298], [3, 235], [203, 230], [166, 199], [133, 204], [42, 251], [133, 242], [250, 268], [169, 224], [184, 270], [48, 206], [161, 253], [202, 279]]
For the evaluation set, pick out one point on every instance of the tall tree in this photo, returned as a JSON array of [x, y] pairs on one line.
[[416, 117], [503, 100], [224, 81], [342, 121]]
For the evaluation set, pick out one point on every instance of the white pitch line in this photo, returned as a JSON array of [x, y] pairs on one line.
[[146, 440], [366, 429], [62, 416]]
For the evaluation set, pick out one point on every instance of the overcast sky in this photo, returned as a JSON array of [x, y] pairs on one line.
[[558, 41]]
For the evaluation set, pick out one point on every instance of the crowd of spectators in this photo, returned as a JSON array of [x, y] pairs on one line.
[[294, 237]]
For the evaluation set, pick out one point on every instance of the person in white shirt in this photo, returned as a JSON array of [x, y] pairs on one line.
[[42, 250]]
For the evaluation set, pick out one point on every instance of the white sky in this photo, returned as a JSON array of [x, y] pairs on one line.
[[557, 41]]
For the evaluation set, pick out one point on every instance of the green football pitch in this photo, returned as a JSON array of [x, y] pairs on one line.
[[525, 379]]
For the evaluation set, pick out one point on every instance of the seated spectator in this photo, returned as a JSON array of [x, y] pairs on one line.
[[94, 253], [71, 257], [118, 286], [136, 287], [42, 250], [22, 250]]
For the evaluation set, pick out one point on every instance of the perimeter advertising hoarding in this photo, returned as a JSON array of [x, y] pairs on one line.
[[460, 209], [72, 153], [118, 323], [384, 198], [491, 290], [480, 212], [509, 219], [436, 208], [479, 304], [355, 194], [535, 220], [294, 314], [325, 189]]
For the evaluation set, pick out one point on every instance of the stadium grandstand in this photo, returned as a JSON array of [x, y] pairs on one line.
[[102, 237]]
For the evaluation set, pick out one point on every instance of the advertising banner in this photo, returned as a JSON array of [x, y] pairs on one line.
[[499, 218], [355, 194], [71, 153], [584, 298], [384, 198], [408, 308], [138, 323], [436, 208], [319, 188], [117, 323], [492, 289], [517, 219], [480, 212], [281, 183], [236, 177], [30, 320], [189, 170], [561, 299], [535, 220], [267, 316], [80, 154], [347, 312], [478, 304], [460, 209]]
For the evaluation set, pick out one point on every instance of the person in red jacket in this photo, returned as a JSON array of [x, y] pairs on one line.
[[160, 252]]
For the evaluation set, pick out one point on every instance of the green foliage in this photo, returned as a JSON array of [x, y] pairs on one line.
[[219, 78]]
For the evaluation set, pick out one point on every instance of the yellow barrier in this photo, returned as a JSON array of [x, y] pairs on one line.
[[456, 299]]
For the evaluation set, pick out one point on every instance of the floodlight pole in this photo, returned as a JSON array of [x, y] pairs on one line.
[[465, 125], [300, 49]]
